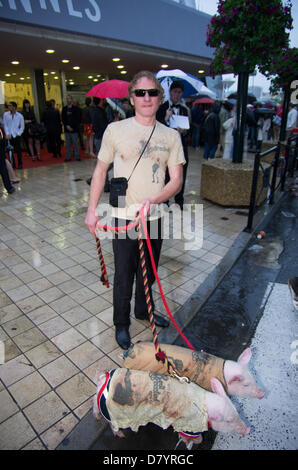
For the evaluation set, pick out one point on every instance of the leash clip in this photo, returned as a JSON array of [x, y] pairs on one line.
[[181, 379]]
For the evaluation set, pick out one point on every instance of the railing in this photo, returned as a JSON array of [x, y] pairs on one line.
[[285, 165]]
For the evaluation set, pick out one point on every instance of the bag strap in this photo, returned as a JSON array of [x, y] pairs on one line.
[[144, 148]]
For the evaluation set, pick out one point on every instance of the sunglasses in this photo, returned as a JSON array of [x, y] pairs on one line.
[[142, 92]]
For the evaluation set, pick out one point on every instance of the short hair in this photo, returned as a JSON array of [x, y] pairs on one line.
[[177, 84], [13, 103], [96, 100], [150, 76], [88, 101]]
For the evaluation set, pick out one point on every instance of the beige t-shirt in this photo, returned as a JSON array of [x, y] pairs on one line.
[[123, 142]]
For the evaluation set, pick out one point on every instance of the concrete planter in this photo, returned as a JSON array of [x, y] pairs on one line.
[[229, 184]]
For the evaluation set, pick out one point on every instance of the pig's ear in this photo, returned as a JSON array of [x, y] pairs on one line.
[[235, 378], [217, 387], [245, 357]]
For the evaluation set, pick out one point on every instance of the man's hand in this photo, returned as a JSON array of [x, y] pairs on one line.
[[69, 128], [91, 221], [169, 114], [146, 205]]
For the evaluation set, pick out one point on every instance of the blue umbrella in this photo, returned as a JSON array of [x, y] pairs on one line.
[[192, 85]]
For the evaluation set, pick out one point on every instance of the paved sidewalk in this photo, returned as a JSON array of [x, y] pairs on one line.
[[55, 315]]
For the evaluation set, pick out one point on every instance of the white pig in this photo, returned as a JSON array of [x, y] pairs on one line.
[[133, 398], [239, 380], [198, 366]]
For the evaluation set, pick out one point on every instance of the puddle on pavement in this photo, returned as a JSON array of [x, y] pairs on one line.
[[266, 252]]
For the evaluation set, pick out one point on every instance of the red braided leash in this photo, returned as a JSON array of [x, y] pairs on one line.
[[160, 355]]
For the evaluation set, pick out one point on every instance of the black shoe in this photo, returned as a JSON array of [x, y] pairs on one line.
[[12, 190], [122, 336], [293, 286], [159, 321]]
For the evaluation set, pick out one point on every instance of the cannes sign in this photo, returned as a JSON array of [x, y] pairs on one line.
[[74, 8]]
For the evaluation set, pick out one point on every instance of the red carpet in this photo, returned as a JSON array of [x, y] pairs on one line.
[[47, 158]]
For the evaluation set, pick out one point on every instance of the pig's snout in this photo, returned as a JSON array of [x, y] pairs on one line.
[[261, 394], [245, 430]]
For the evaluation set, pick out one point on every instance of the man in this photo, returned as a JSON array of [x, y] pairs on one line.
[[211, 132], [52, 122], [14, 127], [3, 168], [196, 120], [71, 118], [99, 121], [164, 114], [123, 143]]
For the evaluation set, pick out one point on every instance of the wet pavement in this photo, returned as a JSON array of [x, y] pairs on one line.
[[228, 323]]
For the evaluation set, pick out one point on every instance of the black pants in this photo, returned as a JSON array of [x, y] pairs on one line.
[[128, 266], [16, 143], [179, 197], [3, 168], [54, 143]]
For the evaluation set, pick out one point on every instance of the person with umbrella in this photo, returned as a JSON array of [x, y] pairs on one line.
[[141, 149], [174, 106], [211, 131], [196, 120]]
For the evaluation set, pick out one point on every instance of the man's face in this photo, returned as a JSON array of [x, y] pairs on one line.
[[176, 95], [11, 108], [145, 106], [69, 100]]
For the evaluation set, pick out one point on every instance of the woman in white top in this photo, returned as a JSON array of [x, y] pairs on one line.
[[228, 126]]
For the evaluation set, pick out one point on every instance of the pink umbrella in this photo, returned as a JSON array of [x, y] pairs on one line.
[[110, 89], [203, 100]]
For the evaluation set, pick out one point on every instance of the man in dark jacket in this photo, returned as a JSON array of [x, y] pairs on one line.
[[99, 121], [71, 118], [3, 169], [211, 131], [163, 115], [52, 122]]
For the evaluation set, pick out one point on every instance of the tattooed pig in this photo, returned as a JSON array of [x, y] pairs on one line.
[[198, 366], [132, 398]]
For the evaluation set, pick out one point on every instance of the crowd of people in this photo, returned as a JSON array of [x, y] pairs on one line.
[[214, 128], [83, 127], [211, 127]]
